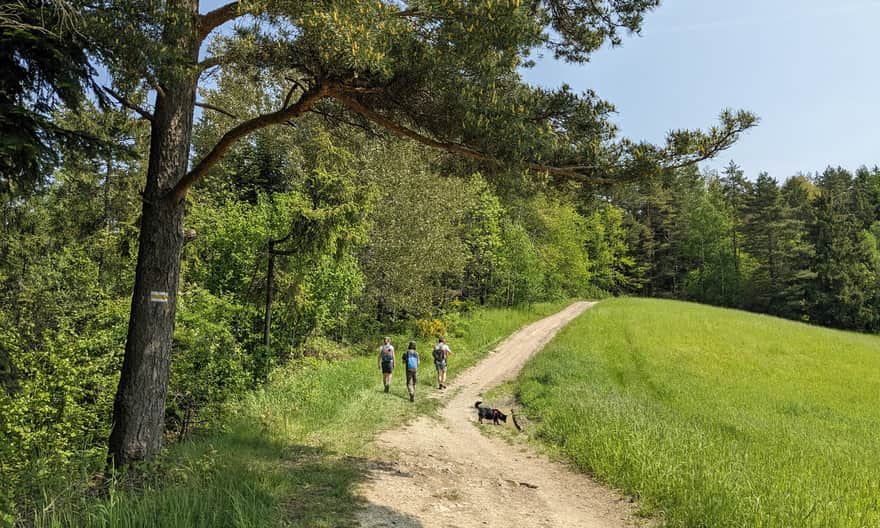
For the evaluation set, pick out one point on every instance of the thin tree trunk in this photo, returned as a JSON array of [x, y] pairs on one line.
[[103, 256], [139, 407], [270, 276]]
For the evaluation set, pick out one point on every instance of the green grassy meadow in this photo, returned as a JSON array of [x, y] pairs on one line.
[[715, 417], [291, 453]]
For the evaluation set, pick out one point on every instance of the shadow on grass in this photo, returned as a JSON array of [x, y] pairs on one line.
[[240, 479], [316, 487]]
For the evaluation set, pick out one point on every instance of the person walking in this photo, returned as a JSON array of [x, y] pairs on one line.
[[411, 360], [441, 355], [386, 362]]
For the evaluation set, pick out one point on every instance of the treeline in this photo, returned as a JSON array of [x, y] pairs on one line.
[[807, 249]]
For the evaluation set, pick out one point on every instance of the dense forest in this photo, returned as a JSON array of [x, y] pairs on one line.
[[327, 229]]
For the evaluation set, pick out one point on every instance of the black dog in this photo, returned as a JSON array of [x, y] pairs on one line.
[[490, 414]]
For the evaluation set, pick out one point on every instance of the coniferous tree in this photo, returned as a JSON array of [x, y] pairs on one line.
[[846, 272], [763, 236], [736, 189]]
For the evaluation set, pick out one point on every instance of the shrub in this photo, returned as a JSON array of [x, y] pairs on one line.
[[208, 363], [430, 327]]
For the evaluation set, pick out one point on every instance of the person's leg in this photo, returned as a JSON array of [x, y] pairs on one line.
[[439, 379], [411, 384], [443, 377], [386, 378]]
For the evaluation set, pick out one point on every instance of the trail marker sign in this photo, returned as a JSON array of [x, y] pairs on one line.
[[159, 296]]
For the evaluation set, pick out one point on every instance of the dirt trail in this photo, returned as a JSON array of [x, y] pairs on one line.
[[446, 473]]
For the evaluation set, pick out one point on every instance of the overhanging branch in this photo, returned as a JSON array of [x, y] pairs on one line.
[[298, 108], [216, 109], [210, 62], [455, 148], [213, 19], [723, 143]]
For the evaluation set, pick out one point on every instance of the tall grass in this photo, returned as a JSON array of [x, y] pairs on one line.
[[715, 417], [292, 452]]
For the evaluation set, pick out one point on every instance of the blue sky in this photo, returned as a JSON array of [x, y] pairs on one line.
[[807, 68]]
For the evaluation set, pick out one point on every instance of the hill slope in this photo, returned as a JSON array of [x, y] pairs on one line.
[[714, 416]]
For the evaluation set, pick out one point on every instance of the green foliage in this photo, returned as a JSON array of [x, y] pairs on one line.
[[416, 257], [45, 63], [703, 414], [560, 233], [208, 365], [520, 277], [314, 226], [482, 214], [613, 267], [55, 402], [802, 250], [719, 267], [846, 273]]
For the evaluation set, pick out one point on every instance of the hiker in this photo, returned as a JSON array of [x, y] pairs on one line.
[[441, 354], [386, 362], [411, 360]]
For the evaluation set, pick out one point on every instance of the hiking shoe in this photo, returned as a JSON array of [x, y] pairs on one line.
[[387, 388], [412, 397]]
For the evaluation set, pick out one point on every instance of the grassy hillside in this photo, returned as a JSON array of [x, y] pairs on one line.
[[715, 417], [291, 453]]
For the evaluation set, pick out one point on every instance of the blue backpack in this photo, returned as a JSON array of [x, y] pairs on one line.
[[412, 360]]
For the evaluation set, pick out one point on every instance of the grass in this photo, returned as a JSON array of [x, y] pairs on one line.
[[293, 452], [715, 417]]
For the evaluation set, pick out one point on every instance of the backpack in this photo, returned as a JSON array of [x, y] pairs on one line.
[[387, 356], [412, 360], [439, 353]]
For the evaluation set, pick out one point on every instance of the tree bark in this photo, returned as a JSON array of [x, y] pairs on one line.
[[139, 407], [270, 277]]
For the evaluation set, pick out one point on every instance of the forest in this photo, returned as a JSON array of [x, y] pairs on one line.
[[402, 184]]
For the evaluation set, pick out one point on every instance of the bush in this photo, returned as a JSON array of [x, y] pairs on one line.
[[208, 363], [320, 347], [56, 403], [429, 328]]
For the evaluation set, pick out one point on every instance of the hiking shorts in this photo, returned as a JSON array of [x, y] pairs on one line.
[[387, 367], [440, 365]]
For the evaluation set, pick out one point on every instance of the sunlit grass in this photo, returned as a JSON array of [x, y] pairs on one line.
[[292, 452], [715, 417]]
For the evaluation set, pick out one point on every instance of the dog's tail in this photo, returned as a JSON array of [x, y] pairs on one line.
[[477, 405], [516, 423]]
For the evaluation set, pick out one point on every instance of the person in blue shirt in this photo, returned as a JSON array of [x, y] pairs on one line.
[[411, 361]]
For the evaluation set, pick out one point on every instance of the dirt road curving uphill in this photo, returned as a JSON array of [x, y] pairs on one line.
[[446, 473]]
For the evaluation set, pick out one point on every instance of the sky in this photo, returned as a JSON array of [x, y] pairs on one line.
[[808, 68]]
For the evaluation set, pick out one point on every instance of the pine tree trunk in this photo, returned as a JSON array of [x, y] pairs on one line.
[[139, 408]]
